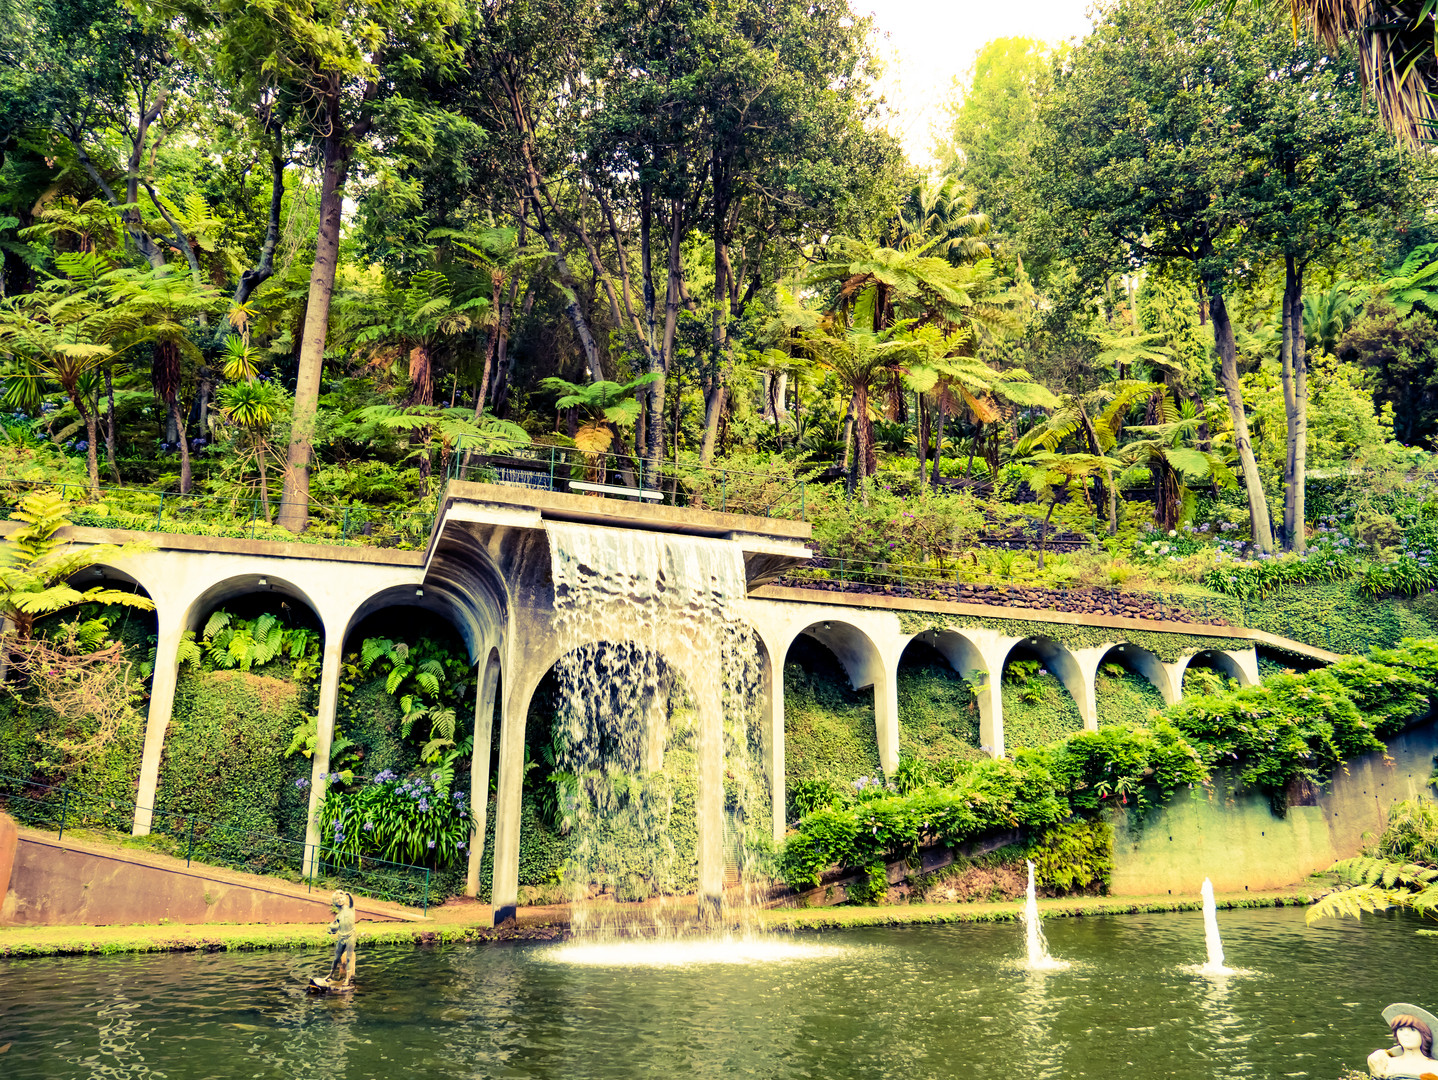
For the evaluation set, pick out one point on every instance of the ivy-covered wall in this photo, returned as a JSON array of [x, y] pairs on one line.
[[938, 714], [371, 718], [224, 761], [1337, 616], [1038, 709], [829, 730], [1125, 697]]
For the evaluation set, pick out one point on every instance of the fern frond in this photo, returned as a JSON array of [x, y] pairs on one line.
[[1352, 903]]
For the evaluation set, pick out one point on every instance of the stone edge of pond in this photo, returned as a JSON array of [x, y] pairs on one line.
[[24, 942], [842, 918]]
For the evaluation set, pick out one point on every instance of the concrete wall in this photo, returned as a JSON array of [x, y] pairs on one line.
[[56, 883], [9, 841], [1232, 836]]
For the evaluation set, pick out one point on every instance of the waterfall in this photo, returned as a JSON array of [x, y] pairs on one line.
[[656, 733], [1037, 946]]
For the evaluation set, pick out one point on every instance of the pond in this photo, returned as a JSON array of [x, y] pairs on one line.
[[894, 1002]]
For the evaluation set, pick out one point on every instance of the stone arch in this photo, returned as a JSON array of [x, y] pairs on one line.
[[1072, 670], [966, 659], [859, 659], [1227, 663], [1157, 694], [249, 584], [1143, 662]]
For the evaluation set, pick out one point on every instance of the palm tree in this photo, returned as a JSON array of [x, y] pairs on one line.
[[1094, 420], [1050, 475], [944, 212], [1173, 464], [252, 407], [413, 319], [58, 332]]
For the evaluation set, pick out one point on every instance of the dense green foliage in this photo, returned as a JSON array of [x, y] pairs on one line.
[[1293, 726], [1124, 697], [1038, 709], [938, 715], [224, 765], [829, 733]]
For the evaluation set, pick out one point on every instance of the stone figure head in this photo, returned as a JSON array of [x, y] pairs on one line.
[[1407, 1022], [341, 900]]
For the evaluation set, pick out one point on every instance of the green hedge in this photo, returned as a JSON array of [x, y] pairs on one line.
[[829, 730], [938, 714], [371, 717]]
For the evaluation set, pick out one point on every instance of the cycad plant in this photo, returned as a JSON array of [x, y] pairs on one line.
[[1401, 870]]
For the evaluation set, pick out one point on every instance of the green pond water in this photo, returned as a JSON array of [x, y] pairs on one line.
[[908, 1002]]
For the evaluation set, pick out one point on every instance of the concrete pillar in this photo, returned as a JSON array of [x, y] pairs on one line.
[[1246, 661], [710, 803], [504, 890], [1085, 694], [479, 771], [773, 705], [886, 714], [162, 702], [991, 713], [1175, 672], [324, 736]]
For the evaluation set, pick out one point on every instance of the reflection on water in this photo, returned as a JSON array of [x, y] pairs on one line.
[[683, 952], [900, 1002]]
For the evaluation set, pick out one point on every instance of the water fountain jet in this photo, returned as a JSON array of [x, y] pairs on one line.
[[1038, 946], [1211, 939]]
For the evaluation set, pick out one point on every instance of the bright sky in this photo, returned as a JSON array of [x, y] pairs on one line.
[[926, 44]]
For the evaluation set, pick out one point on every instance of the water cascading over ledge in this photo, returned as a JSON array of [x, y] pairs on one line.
[[654, 657]]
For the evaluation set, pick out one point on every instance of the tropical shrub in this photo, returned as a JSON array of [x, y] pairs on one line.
[[416, 819]]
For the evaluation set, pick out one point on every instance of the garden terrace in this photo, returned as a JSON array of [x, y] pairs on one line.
[[486, 574]]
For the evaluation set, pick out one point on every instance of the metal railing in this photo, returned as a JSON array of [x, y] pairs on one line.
[[148, 510], [622, 476], [57, 808]]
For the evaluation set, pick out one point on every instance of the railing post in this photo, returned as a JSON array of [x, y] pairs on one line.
[[345, 529], [551, 468], [64, 810], [426, 890], [190, 846], [724, 492], [160, 513]]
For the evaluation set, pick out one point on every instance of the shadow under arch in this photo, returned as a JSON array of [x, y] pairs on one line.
[[1056, 657], [830, 730], [1142, 662], [956, 731], [440, 603], [1215, 660], [265, 585]]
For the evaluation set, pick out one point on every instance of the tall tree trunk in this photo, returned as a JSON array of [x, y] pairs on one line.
[[110, 422], [294, 512], [938, 444], [659, 365], [185, 481], [923, 447], [262, 448], [1233, 391], [92, 459], [1294, 355]]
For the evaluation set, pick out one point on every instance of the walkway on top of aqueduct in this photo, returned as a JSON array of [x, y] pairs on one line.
[[486, 571]]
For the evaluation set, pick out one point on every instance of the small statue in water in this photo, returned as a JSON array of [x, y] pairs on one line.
[[1412, 1058], [342, 968]]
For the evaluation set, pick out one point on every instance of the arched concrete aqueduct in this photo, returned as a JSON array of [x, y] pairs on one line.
[[486, 571]]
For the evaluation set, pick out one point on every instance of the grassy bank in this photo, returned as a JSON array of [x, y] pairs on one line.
[[846, 918], [28, 941]]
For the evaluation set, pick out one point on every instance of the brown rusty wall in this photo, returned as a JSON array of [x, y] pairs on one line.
[[54, 885], [9, 841]]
